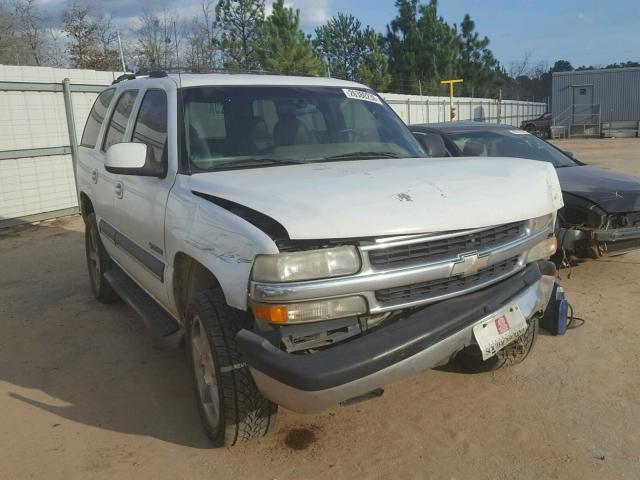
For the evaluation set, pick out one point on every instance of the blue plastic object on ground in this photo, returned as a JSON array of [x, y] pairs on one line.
[[555, 318]]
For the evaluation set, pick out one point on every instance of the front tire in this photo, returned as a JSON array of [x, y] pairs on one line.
[[98, 262], [231, 408], [470, 358]]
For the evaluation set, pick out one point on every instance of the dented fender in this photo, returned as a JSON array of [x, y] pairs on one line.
[[223, 242]]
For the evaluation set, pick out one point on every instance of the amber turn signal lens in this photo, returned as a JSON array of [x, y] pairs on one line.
[[270, 313]]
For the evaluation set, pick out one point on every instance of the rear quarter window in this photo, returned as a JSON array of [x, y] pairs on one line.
[[95, 119]]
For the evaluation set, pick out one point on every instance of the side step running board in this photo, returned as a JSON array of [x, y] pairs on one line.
[[162, 326]]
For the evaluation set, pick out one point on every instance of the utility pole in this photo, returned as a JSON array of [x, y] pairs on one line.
[[124, 67], [420, 86], [452, 111]]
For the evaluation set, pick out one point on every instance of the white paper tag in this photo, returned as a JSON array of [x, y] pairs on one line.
[[361, 95]]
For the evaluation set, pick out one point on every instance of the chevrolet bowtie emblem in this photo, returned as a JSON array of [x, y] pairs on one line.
[[469, 264]]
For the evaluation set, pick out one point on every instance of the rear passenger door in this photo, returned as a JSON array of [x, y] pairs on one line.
[[142, 198]]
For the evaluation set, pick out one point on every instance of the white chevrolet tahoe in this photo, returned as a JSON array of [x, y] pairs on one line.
[[292, 231]]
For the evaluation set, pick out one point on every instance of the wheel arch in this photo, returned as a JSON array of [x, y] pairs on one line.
[[190, 278], [86, 205]]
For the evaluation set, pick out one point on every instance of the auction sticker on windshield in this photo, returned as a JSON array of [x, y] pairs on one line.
[[362, 95], [499, 331]]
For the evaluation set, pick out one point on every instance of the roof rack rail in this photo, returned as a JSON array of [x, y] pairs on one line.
[[123, 77]]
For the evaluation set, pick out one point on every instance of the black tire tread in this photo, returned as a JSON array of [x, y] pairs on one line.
[[245, 413]]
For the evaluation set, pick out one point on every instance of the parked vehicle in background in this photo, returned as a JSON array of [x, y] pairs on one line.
[[601, 213], [292, 230], [540, 126]]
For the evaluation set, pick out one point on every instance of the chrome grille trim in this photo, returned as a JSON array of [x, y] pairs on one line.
[[436, 248], [369, 279]]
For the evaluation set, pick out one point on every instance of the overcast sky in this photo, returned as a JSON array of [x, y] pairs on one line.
[[586, 32]]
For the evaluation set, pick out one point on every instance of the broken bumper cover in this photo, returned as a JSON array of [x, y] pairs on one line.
[[420, 341], [619, 239]]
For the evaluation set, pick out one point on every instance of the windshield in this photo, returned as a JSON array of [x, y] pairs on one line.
[[247, 127], [507, 143]]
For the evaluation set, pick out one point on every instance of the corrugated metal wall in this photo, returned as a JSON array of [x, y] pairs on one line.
[[427, 109], [617, 91], [36, 119]]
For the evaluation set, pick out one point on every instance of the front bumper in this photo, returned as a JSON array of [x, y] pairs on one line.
[[419, 341], [614, 240]]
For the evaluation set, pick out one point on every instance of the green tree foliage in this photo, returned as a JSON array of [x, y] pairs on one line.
[[477, 65], [339, 42], [423, 49], [351, 52], [241, 22], [374, 69], [283, 47]]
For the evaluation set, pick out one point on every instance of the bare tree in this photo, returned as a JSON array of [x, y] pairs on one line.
[[155, 48], [520, 67], [203, 39], [8, 36], [30, 30], [91, 38]]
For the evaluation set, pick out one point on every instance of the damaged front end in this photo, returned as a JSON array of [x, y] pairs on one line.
[[586, 230]]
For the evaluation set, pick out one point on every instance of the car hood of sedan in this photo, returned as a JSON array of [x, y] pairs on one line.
[[612, 191]]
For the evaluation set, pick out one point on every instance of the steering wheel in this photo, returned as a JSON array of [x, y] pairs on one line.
[[350, 133]]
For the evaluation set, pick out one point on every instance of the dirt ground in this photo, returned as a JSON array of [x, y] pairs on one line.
[[85, 394]]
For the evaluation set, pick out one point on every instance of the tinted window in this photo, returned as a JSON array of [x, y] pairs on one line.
[[151, 129], [119, 119], [96, 117], [245, 127], [507, 143]]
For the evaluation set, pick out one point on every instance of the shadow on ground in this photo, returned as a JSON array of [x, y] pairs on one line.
[[63, 352]]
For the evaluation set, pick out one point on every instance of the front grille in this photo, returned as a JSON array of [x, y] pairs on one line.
[[435, 250], [443, 286]]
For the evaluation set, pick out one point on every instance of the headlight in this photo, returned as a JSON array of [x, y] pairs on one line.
[[314, 311], [543, 222], [543, 250], [309, 265]]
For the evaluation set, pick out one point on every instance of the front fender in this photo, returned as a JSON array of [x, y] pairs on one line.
[[220, 240]]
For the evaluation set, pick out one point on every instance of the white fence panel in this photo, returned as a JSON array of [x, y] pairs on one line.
[[30, 184], [429, 109]]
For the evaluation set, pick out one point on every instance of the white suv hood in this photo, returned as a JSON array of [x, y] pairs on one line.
[[374, 198]]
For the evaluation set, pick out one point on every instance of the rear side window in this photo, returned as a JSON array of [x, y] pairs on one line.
[[119, 119], [151, 129], [96, 117]]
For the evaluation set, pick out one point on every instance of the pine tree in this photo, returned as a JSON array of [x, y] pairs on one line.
[[241, 23], [284, 48]]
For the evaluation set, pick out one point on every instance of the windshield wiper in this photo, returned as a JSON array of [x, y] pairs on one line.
[[255, 162], [362, 156]]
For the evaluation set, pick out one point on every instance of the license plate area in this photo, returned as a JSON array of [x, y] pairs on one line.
[[499, 330]]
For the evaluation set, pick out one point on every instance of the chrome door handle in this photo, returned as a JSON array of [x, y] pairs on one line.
[[94, 176], [119, 189]]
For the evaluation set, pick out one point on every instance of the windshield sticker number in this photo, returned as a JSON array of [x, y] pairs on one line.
[[361, 95], [519, 132]]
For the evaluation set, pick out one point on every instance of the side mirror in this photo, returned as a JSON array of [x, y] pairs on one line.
[[126, 158], [568, 153]]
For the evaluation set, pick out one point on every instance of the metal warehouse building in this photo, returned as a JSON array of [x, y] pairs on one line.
[[597, 102]]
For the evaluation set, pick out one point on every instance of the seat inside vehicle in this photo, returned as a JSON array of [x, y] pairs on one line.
[[433, 144]]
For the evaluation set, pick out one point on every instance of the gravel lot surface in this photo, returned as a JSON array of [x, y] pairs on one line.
[[84, 393]]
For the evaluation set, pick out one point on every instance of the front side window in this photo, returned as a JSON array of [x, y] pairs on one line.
[[507, 143], [96, 117], [246, 127], [151, 129], [119, 118]]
